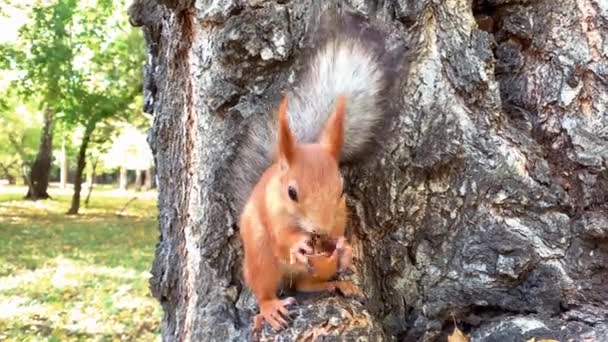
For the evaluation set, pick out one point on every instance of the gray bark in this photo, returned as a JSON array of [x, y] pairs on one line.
[[488, 202]]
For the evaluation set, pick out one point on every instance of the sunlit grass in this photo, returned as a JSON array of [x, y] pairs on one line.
[[84, 277]]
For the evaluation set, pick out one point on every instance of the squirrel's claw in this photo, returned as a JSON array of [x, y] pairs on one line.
[[299, 252], [344, 253], [275, 313]]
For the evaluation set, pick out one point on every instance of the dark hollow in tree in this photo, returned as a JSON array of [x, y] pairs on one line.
[[487, 204]]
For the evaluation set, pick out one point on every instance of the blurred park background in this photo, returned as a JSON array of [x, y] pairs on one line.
[[77, 192]]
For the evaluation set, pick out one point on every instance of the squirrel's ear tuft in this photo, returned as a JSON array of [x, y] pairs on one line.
[[333, 134], [285, 140]]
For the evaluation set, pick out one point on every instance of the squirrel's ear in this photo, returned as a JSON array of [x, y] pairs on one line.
[[285, 139], [333, 134]]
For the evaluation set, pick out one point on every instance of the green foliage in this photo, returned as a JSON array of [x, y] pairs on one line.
[[107, 77], [19, 134], [81, 59], [43, 54], [84, 278]]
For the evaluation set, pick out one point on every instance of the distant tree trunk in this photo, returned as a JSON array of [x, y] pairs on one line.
[[138, 180], [122, 178], [24, 167], [41, 168], [63, 176], [148, 180], [7, 174], [89, 174], [486, 206], [91, 181], [80, 165], [26, 178]]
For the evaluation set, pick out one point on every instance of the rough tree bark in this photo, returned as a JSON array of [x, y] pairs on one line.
[[488, 202], [41, 168]]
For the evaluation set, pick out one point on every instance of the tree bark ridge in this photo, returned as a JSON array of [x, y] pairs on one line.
[[487, 202]]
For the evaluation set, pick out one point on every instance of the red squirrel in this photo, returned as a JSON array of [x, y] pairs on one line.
[[284, 211], [333, 117]]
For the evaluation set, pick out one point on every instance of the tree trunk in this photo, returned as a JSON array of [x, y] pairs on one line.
[[89, 175], [63, 176], [148, 180], [24, 164], [138, 180], [91, 182], [39, 173], [7, 174], [122, 178], [487, 205], [80, 165]]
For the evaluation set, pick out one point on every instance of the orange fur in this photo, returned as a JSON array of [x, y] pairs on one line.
[[286, 140], [273, 225]]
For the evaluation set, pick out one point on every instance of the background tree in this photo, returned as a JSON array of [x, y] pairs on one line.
[[109, 85], [43, 54], [102, 140], [19, 136], [82, 62]]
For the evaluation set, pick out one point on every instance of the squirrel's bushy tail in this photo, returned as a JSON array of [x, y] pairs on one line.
[[352, 59]]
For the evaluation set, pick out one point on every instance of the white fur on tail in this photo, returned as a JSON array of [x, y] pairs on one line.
[[341, 67]]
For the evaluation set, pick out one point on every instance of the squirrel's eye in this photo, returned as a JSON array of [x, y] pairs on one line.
[[291, 191]]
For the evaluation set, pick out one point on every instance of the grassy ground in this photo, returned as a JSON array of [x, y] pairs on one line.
[[65, 278]]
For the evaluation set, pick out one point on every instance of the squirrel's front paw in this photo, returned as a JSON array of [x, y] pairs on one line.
[[345, 254], [299, 252], [274, 312]]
